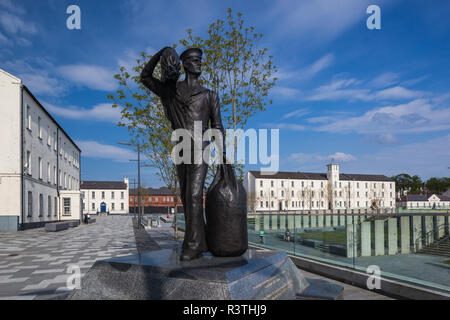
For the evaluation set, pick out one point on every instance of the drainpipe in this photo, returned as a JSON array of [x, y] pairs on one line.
[[57, 173]]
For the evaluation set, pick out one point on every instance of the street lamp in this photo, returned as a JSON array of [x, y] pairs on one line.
[[139, 177]]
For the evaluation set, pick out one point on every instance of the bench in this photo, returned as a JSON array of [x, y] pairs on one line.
[[73, 224], [56, 226], [91, 220]]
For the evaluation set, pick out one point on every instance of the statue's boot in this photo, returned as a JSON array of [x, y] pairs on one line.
[[189, 254]]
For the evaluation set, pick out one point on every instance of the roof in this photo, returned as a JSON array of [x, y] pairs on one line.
[[103, 185], [320, 176], [163, 191], [50, 116], [420, 197]]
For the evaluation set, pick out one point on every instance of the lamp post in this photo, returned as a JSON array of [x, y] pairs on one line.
[[139, 177]]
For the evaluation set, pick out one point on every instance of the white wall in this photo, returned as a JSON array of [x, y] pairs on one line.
[[10, 88]]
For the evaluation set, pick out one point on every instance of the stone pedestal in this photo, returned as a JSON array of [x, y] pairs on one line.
[[160, 275]]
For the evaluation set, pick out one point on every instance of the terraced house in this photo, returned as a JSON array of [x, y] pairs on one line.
[[293, 191], [39, 162]]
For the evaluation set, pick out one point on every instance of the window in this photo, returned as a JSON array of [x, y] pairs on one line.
[[65, 180], [271, 183], [260, 183], [271, 193], [261, 204], [30, 204], [382, 186], [39, 128], [292, 184], [113, 206], [56, 207], [28, 165], [40, 168], [122, 206], [312, 183], [366, 185], [49, 142], [66, 202], [49, 206], [93, 206], [321, 184], [292, 203], [103, 194], [357, 194], [282, 193], [54, 141], [282, 183], [357, 203], [357, 184], [303, 183], [312, 194], [41, 205], [267, 203], [340, 184], [261, 193], [292, 193], [28, 118], [271, 204], [93, 194], [321, 194], [112, 194], [122, 195], [49, 173]]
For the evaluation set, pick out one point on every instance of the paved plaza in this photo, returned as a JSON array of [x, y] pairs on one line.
[[34, 263]]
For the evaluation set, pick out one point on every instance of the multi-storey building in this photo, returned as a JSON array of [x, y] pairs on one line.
[[39, 162], [291, 191], [105, 196]]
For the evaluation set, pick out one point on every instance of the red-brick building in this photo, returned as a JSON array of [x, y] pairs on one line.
[[155, 200]]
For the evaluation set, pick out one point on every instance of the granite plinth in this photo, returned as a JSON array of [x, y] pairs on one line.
[[161, 275]]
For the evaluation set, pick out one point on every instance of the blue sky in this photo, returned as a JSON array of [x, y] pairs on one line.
[[377, 101]]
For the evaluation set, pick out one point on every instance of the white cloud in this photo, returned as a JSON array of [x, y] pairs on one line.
[[93, 149], [286, 93], [386, 79], [338, 156], [318, 20], [397, 93], [101, 112], [13, 7], [426, 159], [413, 117], [383, 138], [315, 160], [295, 114], [309, 71], [349, 89], [14, 25], [40, 82], [91, 76], [287, 126]]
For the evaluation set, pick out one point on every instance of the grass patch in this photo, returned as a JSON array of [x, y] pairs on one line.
[[446, 262], [330, 236]]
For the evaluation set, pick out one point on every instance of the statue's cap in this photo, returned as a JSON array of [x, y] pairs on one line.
[[191, 52]]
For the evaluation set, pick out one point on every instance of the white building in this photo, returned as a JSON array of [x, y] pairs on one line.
[[412, 201], [292, 191], [105, 196], [39, 162]]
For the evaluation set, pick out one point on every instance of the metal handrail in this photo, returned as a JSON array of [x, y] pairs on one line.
[[427, 236]]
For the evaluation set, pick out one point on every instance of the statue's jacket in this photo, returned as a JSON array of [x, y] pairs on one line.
[[184, 105]]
